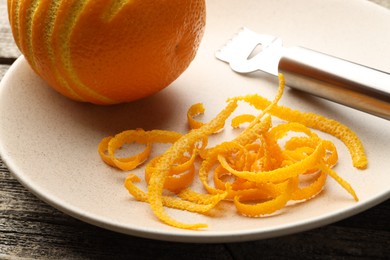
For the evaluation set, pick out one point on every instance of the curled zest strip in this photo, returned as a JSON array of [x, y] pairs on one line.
[[260, 170], [132, 162], [311, 190], [200, 198], [109, 145], [181, 175], [311, 120], [107, 154], [193, 111], [264, 208], [279, 174], [171, 202], [102, 149], [163, 166], [241, 119]]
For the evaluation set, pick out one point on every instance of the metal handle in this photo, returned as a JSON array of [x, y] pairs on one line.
[[338, 80]]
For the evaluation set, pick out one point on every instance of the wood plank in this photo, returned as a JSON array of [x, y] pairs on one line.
[[384, 3], [3, 70], [326, 243], [8, 50]]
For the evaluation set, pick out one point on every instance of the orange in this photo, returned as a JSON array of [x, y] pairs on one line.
[[108, 51]]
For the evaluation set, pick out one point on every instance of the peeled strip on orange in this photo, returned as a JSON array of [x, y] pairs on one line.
[[108, 51], [260, 170]]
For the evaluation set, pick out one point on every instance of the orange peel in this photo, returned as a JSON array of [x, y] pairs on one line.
[[193, 111], [260, 170], [264, 208], [311, 120]]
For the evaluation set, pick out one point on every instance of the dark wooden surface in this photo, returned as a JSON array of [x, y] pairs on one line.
[[30, 228]]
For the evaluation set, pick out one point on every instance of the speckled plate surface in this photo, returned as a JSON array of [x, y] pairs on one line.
[[49, 142]]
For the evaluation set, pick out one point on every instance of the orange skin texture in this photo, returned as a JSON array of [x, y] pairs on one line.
[[108, 51]]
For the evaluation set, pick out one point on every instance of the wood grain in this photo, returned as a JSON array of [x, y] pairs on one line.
[[31, 229], [8, 51]]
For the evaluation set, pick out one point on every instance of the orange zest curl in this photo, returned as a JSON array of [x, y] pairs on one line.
[[193, 111], [109, 145], [260, 170]]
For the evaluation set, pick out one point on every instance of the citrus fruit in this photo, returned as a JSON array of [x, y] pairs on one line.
[[108, 51]]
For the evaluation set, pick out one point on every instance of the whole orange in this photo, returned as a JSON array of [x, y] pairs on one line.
[[108, 51]]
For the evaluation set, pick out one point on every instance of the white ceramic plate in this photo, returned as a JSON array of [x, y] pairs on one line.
[[49, 142]]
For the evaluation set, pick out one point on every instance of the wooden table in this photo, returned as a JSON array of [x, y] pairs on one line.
[[30, 228]]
